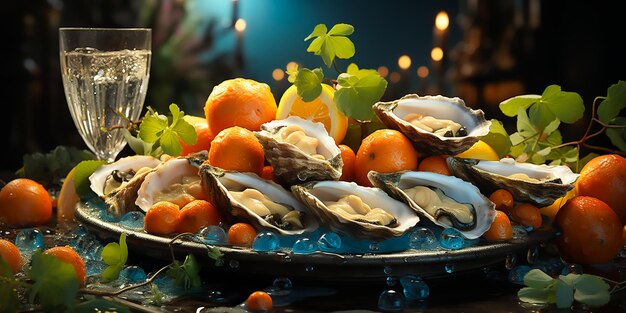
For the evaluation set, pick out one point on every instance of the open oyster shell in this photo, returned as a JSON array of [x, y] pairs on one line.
[[393, 114], [481, 209], [547, 183], [291, 164], [217, 183], [314, 194]]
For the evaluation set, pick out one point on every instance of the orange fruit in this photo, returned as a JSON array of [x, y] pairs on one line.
[[503, 200], [197, 214], [237, 149], [268, 173], [70, 256], [527, 215], [604, 177], [591, 232], [24, 203], [322, 110], [435, 164], [500, 229], [385, 151], [162, 218], [348, 157], [239, 102], [259, 301], [241, 234], [11, 255], [205, 136]]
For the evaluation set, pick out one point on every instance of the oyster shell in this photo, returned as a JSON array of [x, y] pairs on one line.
[[540, 185], [222, 187], [393, 115], [470, 212], [317, 195], [175, 180], [292, 165]]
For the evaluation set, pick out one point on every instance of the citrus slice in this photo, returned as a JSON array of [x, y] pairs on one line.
[[480, 151], [322, 110], [68, 198]]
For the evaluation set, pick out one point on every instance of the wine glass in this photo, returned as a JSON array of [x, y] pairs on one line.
[[105, 76]]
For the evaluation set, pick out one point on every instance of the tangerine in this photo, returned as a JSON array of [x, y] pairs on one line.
[[205, 136], [197, 214], [591, 232], [527, 215], [241, 234], [11, 255], [162, 218], [239, 102], [348, 157], [24, 203], [604, 177], [237, 149], [259, 301], [68, 255], [385, 151], [503, 199], [435, 164], [500, 228]]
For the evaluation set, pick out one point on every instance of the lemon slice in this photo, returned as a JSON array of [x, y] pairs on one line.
[[480, 151], [322, 110]]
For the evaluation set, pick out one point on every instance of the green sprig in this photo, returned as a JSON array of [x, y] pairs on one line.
[[115, 256], [331, 44]]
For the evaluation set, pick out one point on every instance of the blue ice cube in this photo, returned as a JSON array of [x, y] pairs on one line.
[[95, 267], [330, 242], [390, 301], [451, 239], [133, 274], [516, 275], [28, 240], [132, 220], [265, 242], [304, 246], [414, 288], [422, 238], [214, 235], [87, 246]]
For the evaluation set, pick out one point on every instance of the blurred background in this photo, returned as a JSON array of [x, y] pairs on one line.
[[482, 51]]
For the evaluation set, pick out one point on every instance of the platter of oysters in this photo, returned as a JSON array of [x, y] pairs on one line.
[[309, 223]]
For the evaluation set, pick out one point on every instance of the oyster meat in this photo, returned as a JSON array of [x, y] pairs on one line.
[[260, 202], [357, 211], [435, 124], [300, 150], [539, 185], [446, 201]]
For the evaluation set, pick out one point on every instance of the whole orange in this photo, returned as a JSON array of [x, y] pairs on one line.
[[24, 203], [604, 177], [348, 157], [435, 164], [68, 255], [237, 149], [385, 151], [239, 102], [197, 214], [591, 232], [11, 255], [205, 136]]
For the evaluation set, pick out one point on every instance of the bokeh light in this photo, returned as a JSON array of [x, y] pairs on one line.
[[436, 54], [240, 25], [394, 77], [423, 71], [383, 71], [404, 62], [442, 21], [278, 74], [291, 66]]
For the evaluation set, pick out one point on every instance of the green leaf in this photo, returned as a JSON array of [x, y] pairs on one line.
[[293, 73], [99, 305], [533, 295], [552, 126], [516, 139], [564, 294], [9, 301], [555, 138], [157, 296], [332, 44], [615, 101], [136, 144], [50, 168], [186, 132], [567, 106], [319, 30], [536, 278], [82, 172], [170, 143], [524, 127], [498, 139], [55, 283], [176, 113], [357, 97], [308, 84], [151, 127], [512, 106], [341, 30], [540, 116], [216, 254], [618, 135], [342, 46], [186, 275], [115, 256]]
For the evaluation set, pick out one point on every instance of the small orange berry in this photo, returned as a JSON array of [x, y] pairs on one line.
[[241, 234], [162, 218], [503, 200], [259, 301], [500, 229], [527, 215]]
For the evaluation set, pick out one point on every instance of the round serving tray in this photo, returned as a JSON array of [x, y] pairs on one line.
[[319, 265]]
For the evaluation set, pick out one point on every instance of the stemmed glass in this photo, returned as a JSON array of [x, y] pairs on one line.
[[105, 76]]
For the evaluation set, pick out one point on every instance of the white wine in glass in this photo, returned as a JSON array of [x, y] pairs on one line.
[[105, 76]]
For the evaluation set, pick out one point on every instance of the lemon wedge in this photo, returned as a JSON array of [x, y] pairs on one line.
[[480, 151], [322, 110]]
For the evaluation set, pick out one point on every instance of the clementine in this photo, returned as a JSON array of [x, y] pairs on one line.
[[239, 102], [436, 164], [384, 150], [68, 255], [500, 228], [604, 177], [591, 232], [241, 234], [11, 255], [197, 214], [237, 149], [503, 199], [162, 218], [348, 157], [259, 301], [205, 136], [24, 203]]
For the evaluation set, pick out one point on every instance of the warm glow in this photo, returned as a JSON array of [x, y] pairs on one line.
[[404, 62], [422, 71], [442, 21], [383, 71], [291, 66], [240, 25], [278, 74], [394, 77], [436, 54]]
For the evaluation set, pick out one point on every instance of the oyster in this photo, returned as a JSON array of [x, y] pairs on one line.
[[117, 183], [175, 180], [540, 185], [435, 124], [261, 202], [360, 212], [445, 200], [300, 150]]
